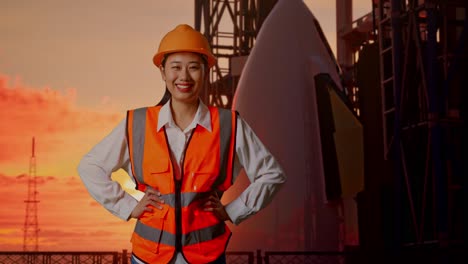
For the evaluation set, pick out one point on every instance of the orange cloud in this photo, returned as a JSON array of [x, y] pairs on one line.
[[52, 117], [64, 132]]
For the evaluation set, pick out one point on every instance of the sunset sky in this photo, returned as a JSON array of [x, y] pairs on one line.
[[68, 72]]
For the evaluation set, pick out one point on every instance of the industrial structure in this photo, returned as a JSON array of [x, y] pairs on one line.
[[231, 28], [413, 114], [403, 66], [31, 225]]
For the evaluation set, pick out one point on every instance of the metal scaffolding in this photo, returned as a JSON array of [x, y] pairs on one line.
[[231, 28], [422, 44], [422, 57]]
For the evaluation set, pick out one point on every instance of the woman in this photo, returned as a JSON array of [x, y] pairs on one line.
[[183, 155]]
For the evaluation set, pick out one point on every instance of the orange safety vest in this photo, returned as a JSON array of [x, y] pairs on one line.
[[182, 225]]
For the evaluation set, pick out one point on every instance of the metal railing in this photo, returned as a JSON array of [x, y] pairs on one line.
[[43, 257], [75, 257], [300, 257], [432, 256], [240, 257]]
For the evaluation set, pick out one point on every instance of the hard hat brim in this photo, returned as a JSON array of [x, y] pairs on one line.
[[157, 59]]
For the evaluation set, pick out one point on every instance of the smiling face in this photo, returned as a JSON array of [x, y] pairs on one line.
[[184, 74]]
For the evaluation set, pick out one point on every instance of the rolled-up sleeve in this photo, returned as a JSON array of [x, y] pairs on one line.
[[264, 172], [97, 166]]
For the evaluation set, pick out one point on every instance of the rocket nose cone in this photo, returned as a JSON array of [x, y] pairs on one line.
[[276, 97]]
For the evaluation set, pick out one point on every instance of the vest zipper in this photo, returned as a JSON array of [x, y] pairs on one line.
[[178, 218], [178, 198]]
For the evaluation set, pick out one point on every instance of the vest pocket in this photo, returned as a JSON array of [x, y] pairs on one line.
[[200, 181], [159, 176], [155, 218], [150, 226]]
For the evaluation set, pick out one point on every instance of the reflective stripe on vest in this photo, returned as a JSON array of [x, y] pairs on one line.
[[138, 140], [163, 237], [203, 236]]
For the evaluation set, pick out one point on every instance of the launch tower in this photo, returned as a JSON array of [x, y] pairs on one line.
[[231, 28]]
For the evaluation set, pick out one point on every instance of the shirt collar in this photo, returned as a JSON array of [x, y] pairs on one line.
[[202, 117]]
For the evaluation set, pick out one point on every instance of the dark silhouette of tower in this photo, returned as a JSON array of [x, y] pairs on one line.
[[31, 226], [411, 79]]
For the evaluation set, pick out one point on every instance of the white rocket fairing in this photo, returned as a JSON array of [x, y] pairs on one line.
[[290, 94]]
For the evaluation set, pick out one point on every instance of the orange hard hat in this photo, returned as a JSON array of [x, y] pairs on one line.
[[184, 39]]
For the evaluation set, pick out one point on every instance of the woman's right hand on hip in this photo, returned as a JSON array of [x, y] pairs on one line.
[[151, 199]]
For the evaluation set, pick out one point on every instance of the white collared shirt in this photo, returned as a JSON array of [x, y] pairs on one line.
[[177, 138], [111, 154]]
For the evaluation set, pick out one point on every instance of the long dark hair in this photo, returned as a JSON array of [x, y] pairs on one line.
[[165, 98], [167, 94]]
